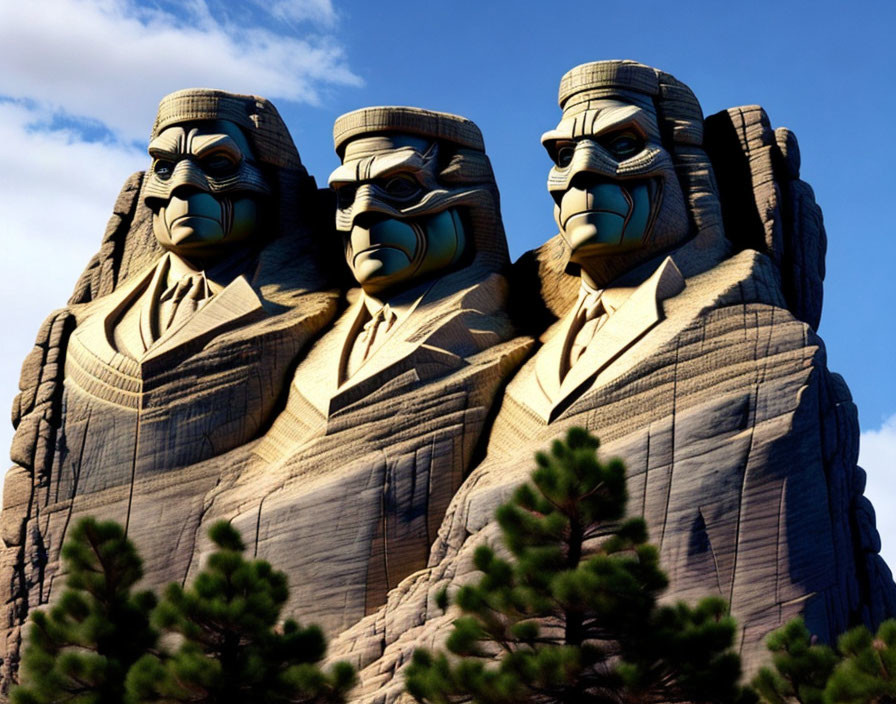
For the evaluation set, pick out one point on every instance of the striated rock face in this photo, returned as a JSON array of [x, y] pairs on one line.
[[741, 454], [386, 412], [703, 373], [365, 453], [164, 358]]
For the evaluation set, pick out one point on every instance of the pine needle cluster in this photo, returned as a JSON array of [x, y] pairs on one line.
[[221, 638], [231, 649], [572, 615], [861, 670], [80, 650]]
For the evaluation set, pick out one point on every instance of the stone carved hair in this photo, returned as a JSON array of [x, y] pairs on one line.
[[258, 118]]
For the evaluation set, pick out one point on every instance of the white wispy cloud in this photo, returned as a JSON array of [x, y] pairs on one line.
[[877, 455], [111, 60], [320, 11], [56, 197], [79, 87]]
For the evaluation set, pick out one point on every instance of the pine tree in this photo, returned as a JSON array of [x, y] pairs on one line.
[[862, 669], [800, 667], [866, 673], [230, 647], [573, 615], [81, 649]]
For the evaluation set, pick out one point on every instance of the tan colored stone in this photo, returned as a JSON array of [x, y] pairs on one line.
[[347, 489], [131, 382], [676, 315], [740, 446]]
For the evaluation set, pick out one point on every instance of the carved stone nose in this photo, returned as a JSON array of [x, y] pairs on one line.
[[187, 174], [585, 180], [367, 204]]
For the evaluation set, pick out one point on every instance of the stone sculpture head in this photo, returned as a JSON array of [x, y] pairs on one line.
[[211, 179], [415, 197], [630, 178]]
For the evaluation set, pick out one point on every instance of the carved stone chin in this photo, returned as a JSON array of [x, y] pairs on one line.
[[609, 218]]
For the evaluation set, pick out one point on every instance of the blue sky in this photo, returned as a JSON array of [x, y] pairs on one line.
[[80, 79]]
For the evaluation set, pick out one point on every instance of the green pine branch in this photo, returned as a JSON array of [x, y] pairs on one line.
[[572, 615], [223, 640], [81, 649], [860, 670], [231, 649]]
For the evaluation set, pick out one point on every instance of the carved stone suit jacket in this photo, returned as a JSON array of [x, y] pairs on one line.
[[738, 444], [132, 425], [347, 489]]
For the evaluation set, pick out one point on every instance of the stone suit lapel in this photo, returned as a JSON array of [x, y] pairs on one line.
[[317, 378], [395, 345], [401, 352], [96, 331], [548, 361], [634, 318], [237, 304], [641, 312]]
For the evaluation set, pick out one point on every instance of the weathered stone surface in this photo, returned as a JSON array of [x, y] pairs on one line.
[[701, 375], [722, 414], [349, 486], [128, 245], [110, 400], [766, 206], [675, 315]]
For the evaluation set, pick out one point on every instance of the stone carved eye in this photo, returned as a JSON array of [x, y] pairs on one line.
[[623, 145], [402, 187], [565, 152], [219, 165], [345, 196], [163, 169]]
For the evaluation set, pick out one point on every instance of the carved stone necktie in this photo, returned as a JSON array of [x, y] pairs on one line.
[[179, 301], [371, 336], [589, 319]]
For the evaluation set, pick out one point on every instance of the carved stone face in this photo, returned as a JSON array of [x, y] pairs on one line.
[[204, 189], [397, 220], [613, 183]]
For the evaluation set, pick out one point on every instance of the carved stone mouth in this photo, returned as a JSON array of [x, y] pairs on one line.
[[607, 197], [186, 229], [190, 216], [585, 214], [399, 235], [608, 214]]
